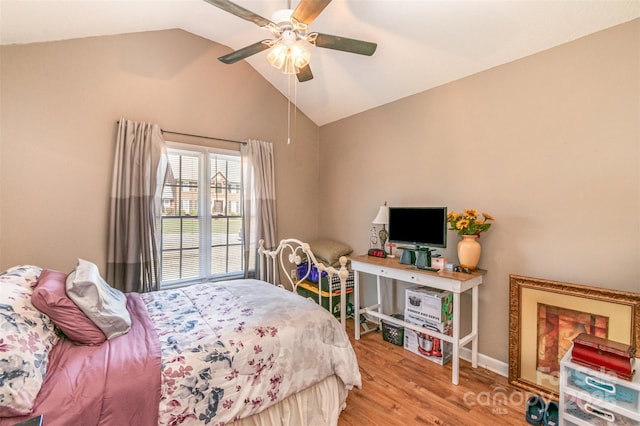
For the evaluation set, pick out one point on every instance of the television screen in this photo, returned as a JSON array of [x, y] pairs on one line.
[[420, 226]]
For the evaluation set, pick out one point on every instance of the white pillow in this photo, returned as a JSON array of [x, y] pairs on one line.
[[103, 304]]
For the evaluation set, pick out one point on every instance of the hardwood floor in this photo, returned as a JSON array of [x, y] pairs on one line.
[[401, 388]]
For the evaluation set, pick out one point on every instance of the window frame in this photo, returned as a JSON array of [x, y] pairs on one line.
[[205, 215]]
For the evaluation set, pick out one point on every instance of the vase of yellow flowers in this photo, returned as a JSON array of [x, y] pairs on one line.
[[469, 226]]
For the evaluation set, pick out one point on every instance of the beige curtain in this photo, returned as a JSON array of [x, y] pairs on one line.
[[259, 218], [138, 175]]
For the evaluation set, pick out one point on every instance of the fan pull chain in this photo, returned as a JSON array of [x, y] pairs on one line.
[[295, 108], [289, 110]]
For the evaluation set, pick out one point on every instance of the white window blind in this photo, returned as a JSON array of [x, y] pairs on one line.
[[201, 219]]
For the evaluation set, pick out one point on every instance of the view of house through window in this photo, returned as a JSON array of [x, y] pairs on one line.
[[201, 216]]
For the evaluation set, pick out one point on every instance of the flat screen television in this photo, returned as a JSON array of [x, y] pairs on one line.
[[418, 226]]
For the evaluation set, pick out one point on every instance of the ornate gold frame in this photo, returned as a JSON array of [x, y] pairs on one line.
[[622, 308]]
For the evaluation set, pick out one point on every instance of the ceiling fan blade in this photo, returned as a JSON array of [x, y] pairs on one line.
[[245, 52], [345, 44], [241, 12], [308, 10], [305, 74]]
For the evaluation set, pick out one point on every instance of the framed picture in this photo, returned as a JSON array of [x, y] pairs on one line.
[[545, 316]]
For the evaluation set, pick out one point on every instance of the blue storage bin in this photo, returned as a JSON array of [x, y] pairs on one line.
[[599, 386]]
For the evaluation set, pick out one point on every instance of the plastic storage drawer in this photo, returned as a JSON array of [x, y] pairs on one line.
[[591, 412], [599, 385]]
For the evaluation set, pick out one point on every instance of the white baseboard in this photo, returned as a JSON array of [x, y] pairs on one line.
[[491, 364]]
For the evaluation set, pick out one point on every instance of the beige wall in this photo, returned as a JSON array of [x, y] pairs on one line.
[[548, 145], [58, 108]]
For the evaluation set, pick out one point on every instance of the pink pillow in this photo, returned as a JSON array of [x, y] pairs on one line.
[[50, 298]]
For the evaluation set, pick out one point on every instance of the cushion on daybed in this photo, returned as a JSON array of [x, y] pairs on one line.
[[329, 251], [27, 337], [103, 304], [50, 297]]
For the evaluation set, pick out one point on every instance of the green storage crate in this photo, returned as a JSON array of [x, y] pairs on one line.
[[310, 290]]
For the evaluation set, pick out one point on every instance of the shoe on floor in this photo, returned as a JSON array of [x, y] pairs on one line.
[[551, 413], [535, 410]]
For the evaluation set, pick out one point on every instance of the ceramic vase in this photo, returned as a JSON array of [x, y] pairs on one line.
[[469, 250]]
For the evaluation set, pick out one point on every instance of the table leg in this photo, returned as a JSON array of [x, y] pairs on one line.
[[356, 304], [378, 284], [455, 368], [474, 327]]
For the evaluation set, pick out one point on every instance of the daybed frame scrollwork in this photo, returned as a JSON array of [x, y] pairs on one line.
[[290, 253]]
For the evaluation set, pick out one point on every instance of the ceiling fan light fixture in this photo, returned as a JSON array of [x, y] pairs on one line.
[[289, 57], [289, 46], [289, 66], [300, 54], [277, 55]]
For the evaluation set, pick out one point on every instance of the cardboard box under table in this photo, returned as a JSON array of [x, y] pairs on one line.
[[327, 294], [425, 345], [431, 304]]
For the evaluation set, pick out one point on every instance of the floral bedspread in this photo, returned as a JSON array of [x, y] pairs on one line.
[[232, 349]]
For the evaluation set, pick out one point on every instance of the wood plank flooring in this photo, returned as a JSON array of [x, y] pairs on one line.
[[401, 388]]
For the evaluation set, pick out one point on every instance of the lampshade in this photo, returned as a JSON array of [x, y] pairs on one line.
[[277, 55], [382, 218], [289, 54]]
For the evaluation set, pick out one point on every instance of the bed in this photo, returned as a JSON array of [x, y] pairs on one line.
[[319, 271], [241, 352]]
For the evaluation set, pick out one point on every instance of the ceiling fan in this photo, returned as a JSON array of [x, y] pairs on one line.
[[290, 32]]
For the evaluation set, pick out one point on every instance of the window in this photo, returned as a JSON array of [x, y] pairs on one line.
[[201, 216]]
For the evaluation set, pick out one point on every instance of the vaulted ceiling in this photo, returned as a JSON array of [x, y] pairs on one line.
[[421, 43]]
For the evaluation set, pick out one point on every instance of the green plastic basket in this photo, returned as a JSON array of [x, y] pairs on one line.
[[393, 333]]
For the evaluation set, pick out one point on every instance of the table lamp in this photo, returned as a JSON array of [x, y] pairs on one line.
[[382, 218]]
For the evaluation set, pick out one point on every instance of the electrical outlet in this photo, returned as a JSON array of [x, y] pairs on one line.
[[293, 274]]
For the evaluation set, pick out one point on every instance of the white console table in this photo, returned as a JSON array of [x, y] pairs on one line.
[[456, 282]]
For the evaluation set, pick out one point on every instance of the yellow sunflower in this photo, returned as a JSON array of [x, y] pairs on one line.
[[468, 223]]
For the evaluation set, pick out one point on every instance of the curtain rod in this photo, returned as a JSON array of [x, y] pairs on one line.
[[198, 136], [203, 137]]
